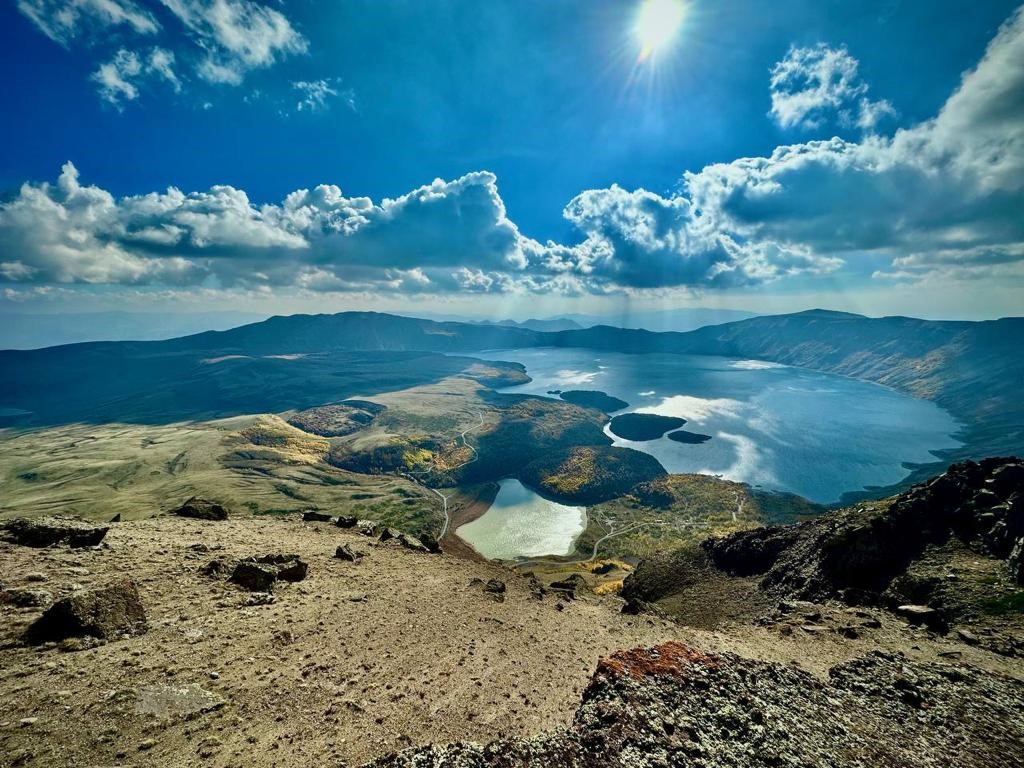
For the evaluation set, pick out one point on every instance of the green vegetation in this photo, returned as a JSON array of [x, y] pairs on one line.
[[590, 474], [668, 512], [1005, 604], [590, 398], [643, 426]]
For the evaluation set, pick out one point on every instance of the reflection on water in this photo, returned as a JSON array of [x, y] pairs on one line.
[[522, 524], [784, 428]]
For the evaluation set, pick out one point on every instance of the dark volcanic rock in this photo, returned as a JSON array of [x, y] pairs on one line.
[[568, 587], [345, 552], [858, 553], [201, 509], [346, 521], [103, 612], [643, 426], [589, 398], [256, 577], [49, 531], [312, 516], [258, 574], [676, 707]]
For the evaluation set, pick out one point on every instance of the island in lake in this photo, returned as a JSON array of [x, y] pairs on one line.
[[682, 436], [591, 398], [643, 426]]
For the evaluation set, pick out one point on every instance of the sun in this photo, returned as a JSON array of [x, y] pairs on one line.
[[657, 24]]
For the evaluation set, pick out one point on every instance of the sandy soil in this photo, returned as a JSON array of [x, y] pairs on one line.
[[355, 661]]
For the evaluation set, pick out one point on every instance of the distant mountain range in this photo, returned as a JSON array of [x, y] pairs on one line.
[[36, 330], [975, 370]]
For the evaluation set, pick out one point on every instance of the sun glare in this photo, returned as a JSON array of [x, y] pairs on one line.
[[657, 24]]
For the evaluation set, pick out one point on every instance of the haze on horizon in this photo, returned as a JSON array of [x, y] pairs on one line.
[[512, 159]]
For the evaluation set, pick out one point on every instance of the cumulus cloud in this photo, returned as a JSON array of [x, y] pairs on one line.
[[63, 20], [950, 189], [812, 85], [237, 36], [942, 198], [119, 79]]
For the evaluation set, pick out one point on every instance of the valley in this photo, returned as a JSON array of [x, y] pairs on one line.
[[521, 516]]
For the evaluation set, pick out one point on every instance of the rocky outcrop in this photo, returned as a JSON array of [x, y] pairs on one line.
[[103, 613], [673, 705], [856, 554], [259, 574], [201, 509], [51, 531]]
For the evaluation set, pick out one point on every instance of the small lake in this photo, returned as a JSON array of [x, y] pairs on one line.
[[782, 428], [521, 523]]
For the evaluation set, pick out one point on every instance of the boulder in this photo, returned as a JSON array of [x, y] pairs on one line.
[[258, 574], [922, 615], [201, 509], [312, 516], [346, 553], [50, 531], [409, 542], [567, 588], [495, 587], [256, 577], [346, 521], [103, 612]]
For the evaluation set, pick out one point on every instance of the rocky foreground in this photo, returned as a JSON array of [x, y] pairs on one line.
[[889, 634]]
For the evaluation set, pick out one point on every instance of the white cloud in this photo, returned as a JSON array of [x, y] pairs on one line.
[[941, 199], [237, 36], [63, 20], [950, 189], [813, 84], [230, 38], [119, 79], [315, 95]]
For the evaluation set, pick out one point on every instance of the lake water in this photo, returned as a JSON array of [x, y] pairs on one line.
[[522, 524], [774, 426]]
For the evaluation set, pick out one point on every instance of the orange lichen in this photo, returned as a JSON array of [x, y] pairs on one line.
[[668, 659]]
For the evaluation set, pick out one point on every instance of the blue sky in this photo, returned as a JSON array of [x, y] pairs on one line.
[[563, 157]]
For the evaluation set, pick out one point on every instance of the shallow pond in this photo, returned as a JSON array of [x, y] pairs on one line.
[[520, 523]]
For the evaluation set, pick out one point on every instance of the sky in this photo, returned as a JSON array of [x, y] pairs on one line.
[[512, 158]]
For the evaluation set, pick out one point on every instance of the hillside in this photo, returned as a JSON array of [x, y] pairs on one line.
[[328, 666]]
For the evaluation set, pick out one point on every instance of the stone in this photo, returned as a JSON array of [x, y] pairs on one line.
[[256, 577], [346, 521], [26, 598], [51, 531], [567, 588], [369, 528], [201, 509], [345, 552], [922, 615], [968, 637], [312, 516], [104, 613], [412, 543], [495, 587], [289, 567]]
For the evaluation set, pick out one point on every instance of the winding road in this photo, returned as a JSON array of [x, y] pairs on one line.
[[444, 499]]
